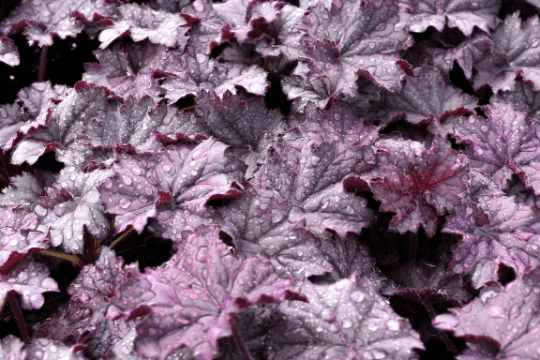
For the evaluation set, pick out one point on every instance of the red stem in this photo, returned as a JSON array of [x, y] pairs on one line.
[[19, 317], [42, 63], [239, 341]]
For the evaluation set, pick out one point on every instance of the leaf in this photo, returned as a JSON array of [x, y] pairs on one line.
[[39, 97], [11, 348], [262, 225], [91, 116], [418, 184], [30, 279], [515, 46], [253, 324], [9, 54], [242, 16], [426, 96], [62, 126], [349, 256], [341, 125], [71, 203], [311, 174], [346, 320], [191, 300], [181, 180], [13, 120], [506, 236], [523, 98], [462, 14], [212, 75], [365, 39], [82, 319], [25, 189], [288, 29], [507, 318], [140, 22], [209, 31], [42, 349], [19, 236], [467, 54], [504, 143], [40, 21], [140, 125], [237, 120], [128, 68]]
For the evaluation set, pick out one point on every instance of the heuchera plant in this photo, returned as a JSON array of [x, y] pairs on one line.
[[257, 179]]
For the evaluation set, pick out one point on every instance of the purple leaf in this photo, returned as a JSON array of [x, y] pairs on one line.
[[62, 126], [19, 236], [212, 75], [466, 54], [11, 347], [523, 98], [30, 279], [504, 143], [69, 204], [462, 14], [42, 20], [14, 121], [192, 299], [137, 123], [346, 320], [515, 46], [82, 320], [418, 184], [9, 54], [426, 96], [507, 235], [42, 349], [311, 174], [262, 226], [507, 318], [127, 69], [188, 174], [243, 15], [237, 120], [365, 39], [141, 22]]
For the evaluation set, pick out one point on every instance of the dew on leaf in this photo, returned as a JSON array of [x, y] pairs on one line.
[[124, 203]]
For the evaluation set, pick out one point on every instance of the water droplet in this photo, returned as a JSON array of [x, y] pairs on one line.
[[109, 184], [358, 296], [372, 327], [202, 254], [40, 210], [127, 180], [393, 325], [49, 283], [327, 315], [347, 324], [497, 312], [124, 203]]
